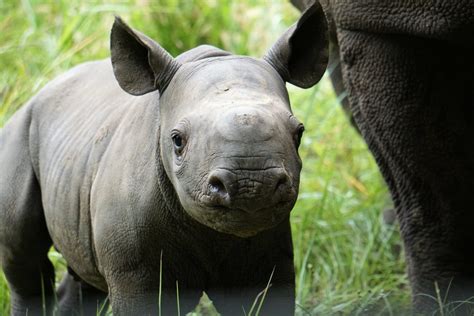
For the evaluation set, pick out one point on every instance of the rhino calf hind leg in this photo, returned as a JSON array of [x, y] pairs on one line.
[[31, 289], [24, 245], [75, 297], [24, 238]]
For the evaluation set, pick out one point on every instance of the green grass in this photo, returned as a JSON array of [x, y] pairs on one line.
[[347, 261]]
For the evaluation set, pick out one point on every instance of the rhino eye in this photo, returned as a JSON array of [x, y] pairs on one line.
[[299, 134], [178, 143]]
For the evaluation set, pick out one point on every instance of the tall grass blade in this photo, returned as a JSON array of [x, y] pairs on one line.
[[439, 300], [261, 295], [100, 309], [302, 275], [177, 298], [254, 304], [43, 296], [161, 283], [265, 292]]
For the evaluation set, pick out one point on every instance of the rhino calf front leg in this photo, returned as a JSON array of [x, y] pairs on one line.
[[152, 302], [75, 297], [278, 300]]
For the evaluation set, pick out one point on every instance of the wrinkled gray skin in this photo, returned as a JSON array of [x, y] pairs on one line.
[[408, 69], [199, 168]]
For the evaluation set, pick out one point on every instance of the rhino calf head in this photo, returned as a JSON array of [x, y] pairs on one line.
[[229, 144], [228, 139]]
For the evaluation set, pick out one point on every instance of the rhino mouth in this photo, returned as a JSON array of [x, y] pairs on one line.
[[212, 205], [241, 222]]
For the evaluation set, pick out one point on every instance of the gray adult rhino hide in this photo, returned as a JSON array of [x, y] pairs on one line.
[[407, 69], [119, 163]]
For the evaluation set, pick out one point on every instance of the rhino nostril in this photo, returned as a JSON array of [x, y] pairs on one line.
[[216, 186], [282, 181], [218, 192]]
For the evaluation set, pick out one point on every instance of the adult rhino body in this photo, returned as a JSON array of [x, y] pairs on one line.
[[193, 172], [408, 70]]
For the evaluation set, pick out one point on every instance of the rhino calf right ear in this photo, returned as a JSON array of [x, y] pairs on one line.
[[300, 55], [140, 64]]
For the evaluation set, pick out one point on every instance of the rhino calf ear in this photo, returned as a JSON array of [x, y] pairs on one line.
[[300, 55], [140, 64]]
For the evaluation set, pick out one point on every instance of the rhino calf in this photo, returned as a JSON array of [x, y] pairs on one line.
[[149, 172]]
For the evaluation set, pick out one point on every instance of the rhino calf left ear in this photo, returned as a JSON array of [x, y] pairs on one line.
[[140, 64], [300, 55]]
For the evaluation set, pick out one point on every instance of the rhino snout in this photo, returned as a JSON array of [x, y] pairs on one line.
[[249, 190]]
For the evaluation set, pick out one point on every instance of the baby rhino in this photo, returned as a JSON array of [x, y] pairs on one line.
[[155, 175]]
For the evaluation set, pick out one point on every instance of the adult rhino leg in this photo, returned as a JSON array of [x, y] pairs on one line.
[[413, 101], [75, 297], [335, 73], [24, 238]]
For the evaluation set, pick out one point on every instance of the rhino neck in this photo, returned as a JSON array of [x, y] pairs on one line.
[[170, 199]]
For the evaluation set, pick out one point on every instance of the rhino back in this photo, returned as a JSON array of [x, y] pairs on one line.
[[76, 118]]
